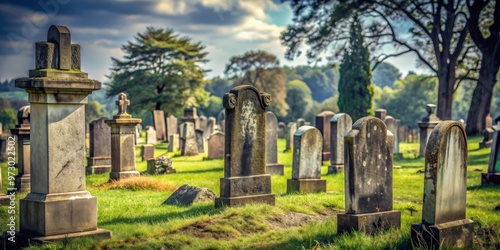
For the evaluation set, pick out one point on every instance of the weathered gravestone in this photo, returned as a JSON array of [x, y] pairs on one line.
[[203, 124], [272, 165], [300, 122], [216, 145], [122, 141], [147, 152], [426, 126], [160, 165], [340, 124], [493, 175], [221, 120], [200, 140], [281, 130], [323, 125], [173, 144], [99, 160], [138, 130], [445, 186], [186, 195], [171, 126], [22, 133], [368, 179], [245, 179], [189, 146], [487, 132], [58, 206], [393, 126], [306, 166], [380, 114], [150, 135], [291, 128], [211, 122], [159, 121]]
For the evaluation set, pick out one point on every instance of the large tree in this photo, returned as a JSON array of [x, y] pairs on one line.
[[385, 75], [355, 87], [160, 70]]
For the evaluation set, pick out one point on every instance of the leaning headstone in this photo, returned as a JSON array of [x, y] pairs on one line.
[[245, 179], [487, 132], [171, 126], [426, 126], [380, 114], [147, 152], [200, 140], [323, 125], [368, 179], [493, 174], [186, 195], [306, 166], [159, 121], [99, 160], [272, 165], [22, 133], [445, 186], [189, 146], [122, 141], [291, 128], [173, 144], [281, 130], [216, 145], [150, 135], [340, 124], [58, 207], [161, 165], [393, 126]]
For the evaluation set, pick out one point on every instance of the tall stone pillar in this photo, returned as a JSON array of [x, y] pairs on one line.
[[22, 132], [426, 126], [58, 206]]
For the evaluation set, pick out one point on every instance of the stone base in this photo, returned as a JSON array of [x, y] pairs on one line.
[[98, 169], [490, 178], [243, 200], [305, 185], [23, 240], [455, 234], [275, 169], [486, 144], [333, 169], [22, 183], [368, 223], [123, 175]]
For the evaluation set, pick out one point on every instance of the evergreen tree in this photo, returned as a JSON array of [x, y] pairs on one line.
[[355, 87]]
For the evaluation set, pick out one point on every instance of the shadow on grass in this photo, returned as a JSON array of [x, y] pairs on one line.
[[486, 187]]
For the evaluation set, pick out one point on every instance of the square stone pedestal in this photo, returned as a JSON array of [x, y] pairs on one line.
[[368, 223], [490, 178], [455, 234], [98, 165], [239, 191], [333, 169], [305, 185], [275, 169]]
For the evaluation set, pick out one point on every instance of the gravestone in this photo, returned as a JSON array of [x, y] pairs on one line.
[[138, 130], [487, 132], [99, 160], [211, 122], [171, 126], [200, 140], [306, 166], [272, 165], [122, 141], [216, 145], [445, 186], [1, 128], [173, 144], [323, 125], [281, 130], [493, 174], [159, 121], [368, 179], [393, 126], [22, 132], [150, 135], [426, 126], [190, 115], [245, 179], [380, 114], [203, 124], [300, 122], [58, 207], [189, 146], [340, 124], [291, 128], [186, 195], [221, 120], [160, 165], [147, 152]]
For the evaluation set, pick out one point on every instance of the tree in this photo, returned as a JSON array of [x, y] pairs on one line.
[[385, 75], [262, 70], [355, 87], [298, 97], [160, 70], [8, 118]]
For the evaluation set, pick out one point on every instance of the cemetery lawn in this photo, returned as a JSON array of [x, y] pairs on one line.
[[133, 209]]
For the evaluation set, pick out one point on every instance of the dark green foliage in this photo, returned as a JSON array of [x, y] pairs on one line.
[[355, 88], [8, 118], [94, 110], [213, 107], [218, 86], [323, 81], [385, 74], [298, 97]]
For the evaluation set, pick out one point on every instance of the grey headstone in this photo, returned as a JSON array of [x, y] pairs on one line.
[[340, 125], [189, 145], [393, 126], [190, 115], [211, 122], [171, 126], [150, 135], [203, 124], [281, 130], [147, 152], [300, 122], [487, 132], [216, 145], [323, 125], [173, 143], [160, 165], [186, 195], [272, 166], [493, 174], [159, 121], [22, 132], [291, 128], [61, 36], [99, 160], [200, 140]]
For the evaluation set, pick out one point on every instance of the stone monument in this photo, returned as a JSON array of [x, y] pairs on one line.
[[426, 126], [99, 160], [272, 165], [323, 125], [159, 121], [22, 132], [216, 145], [493, 174], [340, 124]]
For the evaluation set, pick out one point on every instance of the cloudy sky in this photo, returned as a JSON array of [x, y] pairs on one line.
[[225, 27]]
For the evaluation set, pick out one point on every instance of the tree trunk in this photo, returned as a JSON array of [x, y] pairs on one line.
[[158, 105], [446, 77]]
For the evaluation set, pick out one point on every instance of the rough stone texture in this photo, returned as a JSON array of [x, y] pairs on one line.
[[380, 114], [211, 122], [171, 126], [368, 171], [393, 126], [150, 135], [159, 121], [368, 223], [281, 130], [186, 195], [160, 165], [58, 203], [426, 126], [200, 140], [272, 166], [340, 124], [291, 128], [189, 146], [457, 234], [493, 174], [99, 160], [138, 138], [173, 144], [300, 122], [487, 138], [245, 179], [203, 125], [22, 133], [147, 152], [216, 145], [323, 125], [445, 187], [190, 115]]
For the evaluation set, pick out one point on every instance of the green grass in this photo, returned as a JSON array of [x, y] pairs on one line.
[[138, 220]]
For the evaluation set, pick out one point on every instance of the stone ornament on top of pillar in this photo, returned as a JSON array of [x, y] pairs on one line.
[[426, 126]]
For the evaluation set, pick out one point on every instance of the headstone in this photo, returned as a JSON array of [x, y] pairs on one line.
[[203, 124], [445, 186], [323, 125], [171, 126], [99, 160], [306, 166], [173, 144], [291, 128], [58, 206], [272, 165], [245, 179], [281, 130], [122, 141], [150, 135], [426, 126], [159, 121], [181, 134], [186, 195], [138, 130], [160, 165], [189, 146], [368, 179], [487, 132], [393, 126], [380, 114], [190, 115], [211, 122], [300, 122], [221, 120], [216, 145], [493, 174], [22, 133], [147, 152], [340, 124], [1, 128], [200, 140]]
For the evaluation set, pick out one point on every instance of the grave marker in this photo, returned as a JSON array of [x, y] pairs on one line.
[[493, 174], [189, 146], [216, 145], [272, 165], [426, 126], [99, 160], [340, 124], [323, 125], [147, 152], [159, 121], [22, 133]]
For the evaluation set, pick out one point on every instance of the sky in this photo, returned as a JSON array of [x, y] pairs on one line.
[[225, 27]]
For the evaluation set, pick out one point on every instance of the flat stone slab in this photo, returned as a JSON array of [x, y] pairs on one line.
[[187, 195], [24, 239], [368, 223]]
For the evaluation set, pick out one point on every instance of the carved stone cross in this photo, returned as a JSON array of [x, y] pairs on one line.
[[122, 104]]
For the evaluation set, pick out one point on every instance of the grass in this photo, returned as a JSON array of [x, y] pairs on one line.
[[133, 211]]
